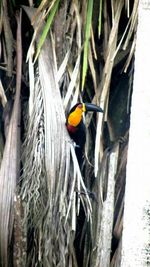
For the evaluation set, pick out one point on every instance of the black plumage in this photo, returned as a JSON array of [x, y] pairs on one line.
[[78, 132]]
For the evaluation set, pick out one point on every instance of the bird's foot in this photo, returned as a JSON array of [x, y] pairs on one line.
[[90, 194]]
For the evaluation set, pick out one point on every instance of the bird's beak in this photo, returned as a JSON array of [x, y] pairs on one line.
[[91, 107]]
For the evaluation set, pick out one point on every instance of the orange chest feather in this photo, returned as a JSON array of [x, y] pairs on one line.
[[75, 117]]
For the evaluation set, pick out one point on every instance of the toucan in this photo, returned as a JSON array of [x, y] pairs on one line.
[[77, 131], [76, 127]]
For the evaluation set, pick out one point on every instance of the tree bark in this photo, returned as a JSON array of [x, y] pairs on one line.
[[136, 227]]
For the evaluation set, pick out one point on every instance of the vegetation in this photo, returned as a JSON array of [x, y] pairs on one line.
[[53, 213]]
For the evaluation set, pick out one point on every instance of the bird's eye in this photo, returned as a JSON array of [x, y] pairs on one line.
[[80, 106]]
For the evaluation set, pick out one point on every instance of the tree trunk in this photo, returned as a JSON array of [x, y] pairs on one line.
[[136, 233]]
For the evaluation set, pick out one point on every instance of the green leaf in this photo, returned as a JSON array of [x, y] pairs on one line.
[[46, 28], [87, 38]]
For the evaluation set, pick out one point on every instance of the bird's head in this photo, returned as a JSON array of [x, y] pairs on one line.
[[75, 115]]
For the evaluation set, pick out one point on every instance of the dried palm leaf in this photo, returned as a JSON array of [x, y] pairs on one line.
[[87, 37], [2, 95], [106, 78], [9, 171], [133, 23], [8, 38], [49, 177], [3, 100], [46, 28], [100, 19], [93, 71]]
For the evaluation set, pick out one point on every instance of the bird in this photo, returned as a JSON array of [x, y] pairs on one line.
[[76, 127], [77, 131]]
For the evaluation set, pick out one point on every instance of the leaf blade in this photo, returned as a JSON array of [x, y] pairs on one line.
[[87, 38]]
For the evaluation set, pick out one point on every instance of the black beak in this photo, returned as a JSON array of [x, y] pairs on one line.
[[92, 107]]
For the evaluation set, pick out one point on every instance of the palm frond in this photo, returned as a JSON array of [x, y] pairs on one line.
[[46, 28], [8, 36], [105, 84], [100, 18], [86, 42], [53, 152], [10, 164]]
